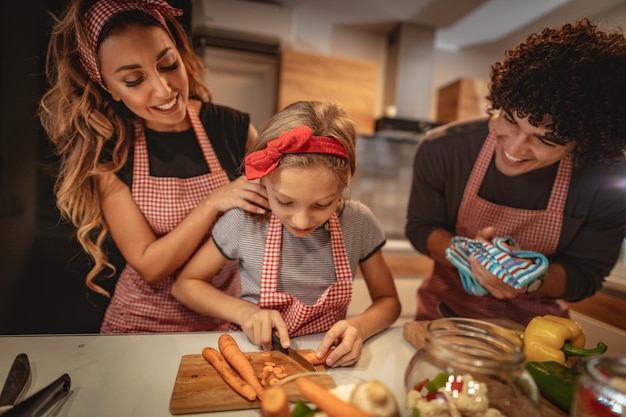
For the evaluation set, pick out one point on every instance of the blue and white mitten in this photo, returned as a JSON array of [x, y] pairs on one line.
[[502, 257]]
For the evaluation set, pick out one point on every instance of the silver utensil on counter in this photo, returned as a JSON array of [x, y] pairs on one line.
[[17, 383], [38, 404]]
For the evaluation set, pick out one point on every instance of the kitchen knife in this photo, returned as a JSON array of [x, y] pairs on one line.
[[16, 383], [40, 402], [292, 354]]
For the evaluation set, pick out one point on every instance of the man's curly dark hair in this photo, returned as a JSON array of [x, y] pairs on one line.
[[576, 75]]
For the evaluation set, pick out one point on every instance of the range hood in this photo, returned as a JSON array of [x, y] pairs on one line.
[[408, 83], [393, 128]]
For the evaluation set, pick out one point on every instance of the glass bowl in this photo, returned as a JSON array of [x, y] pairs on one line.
[[369, 396], [329, 380]]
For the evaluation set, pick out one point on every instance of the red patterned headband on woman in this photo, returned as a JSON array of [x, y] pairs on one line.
[[101, 12], [298, 140]]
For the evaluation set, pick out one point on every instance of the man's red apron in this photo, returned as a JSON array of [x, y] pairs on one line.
[[136, 305], [329, 308], [534, 230]]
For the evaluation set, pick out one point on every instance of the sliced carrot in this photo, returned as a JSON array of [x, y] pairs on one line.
[[314, 360], [274, 403], [273, 381], [228, 375], [326, 400], [235, 357]]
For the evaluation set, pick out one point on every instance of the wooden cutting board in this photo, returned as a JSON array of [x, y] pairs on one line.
[[415, 333], [199, 388]]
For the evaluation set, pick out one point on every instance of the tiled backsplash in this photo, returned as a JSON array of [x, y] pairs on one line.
[[383, 180]]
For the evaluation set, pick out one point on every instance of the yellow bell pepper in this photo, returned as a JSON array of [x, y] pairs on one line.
[[553, 338]]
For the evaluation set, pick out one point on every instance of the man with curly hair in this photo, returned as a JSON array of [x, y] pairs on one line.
[[546, 168]]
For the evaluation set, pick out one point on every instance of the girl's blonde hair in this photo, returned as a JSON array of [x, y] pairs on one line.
[[81, 118], [325, 119]]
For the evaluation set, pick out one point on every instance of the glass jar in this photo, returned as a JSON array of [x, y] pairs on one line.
[[473, 366], [601, 389]]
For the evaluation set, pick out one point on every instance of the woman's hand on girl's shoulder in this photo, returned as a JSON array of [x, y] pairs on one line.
[[246, 195]]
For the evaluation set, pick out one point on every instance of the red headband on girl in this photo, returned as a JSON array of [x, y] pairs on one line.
[[101, 12], [298, 140]]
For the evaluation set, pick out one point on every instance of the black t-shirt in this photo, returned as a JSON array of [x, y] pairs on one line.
[[178, 154]]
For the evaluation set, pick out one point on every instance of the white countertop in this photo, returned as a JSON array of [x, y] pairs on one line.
[[133, 375]]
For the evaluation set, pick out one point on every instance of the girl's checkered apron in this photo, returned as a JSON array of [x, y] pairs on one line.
[[534, 230], [136, 305], [330, 307]]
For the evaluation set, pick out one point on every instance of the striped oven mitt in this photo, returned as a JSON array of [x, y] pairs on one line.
[[512, 265]]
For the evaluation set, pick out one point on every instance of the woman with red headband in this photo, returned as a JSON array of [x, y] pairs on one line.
[[297, 263], [145, 157]]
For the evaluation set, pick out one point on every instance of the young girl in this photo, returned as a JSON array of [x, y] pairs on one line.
[[297, 263], [145, 156]]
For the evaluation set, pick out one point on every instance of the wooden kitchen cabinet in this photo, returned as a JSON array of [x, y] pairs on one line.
[[349, 83], [462, 99]]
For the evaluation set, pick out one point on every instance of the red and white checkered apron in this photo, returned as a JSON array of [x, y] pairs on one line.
[[137, 306], [534, 230], [329, 308]]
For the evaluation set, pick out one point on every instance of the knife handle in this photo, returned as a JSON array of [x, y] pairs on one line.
[[38, 403], [276, 344]]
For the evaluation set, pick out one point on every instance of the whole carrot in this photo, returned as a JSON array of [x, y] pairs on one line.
[[228, 375], [274, 403], [235, 357], [327, 401]]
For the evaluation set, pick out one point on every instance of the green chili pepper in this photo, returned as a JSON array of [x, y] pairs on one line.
[[302, 410], [570, 350], [437, 382], [556, 382]]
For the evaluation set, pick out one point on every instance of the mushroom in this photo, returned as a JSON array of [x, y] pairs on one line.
[[373, 397]]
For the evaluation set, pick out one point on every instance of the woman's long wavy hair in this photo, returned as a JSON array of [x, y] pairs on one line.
[[80, 118]]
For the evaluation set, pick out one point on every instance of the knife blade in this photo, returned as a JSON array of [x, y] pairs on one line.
[[16, 383], [292, 354]]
